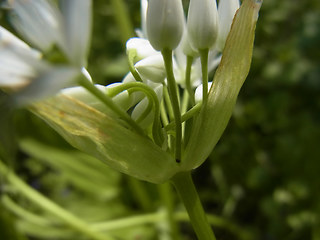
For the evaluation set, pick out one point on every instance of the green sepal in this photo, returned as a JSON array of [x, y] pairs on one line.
[[106, 138], [227, 82]]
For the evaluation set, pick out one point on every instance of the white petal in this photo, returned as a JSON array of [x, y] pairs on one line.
[[14, 73], [7, 37], [17, 61], [86, 97], [38, 21], [77, 22], [47, 84]]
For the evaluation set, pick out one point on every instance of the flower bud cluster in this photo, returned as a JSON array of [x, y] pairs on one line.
[[142, 110], [164, 26], [206, 24]]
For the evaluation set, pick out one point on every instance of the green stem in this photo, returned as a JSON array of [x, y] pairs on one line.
[[167, 199], [46, 204], [204, 53], [184, 108], [172, 87], [131, 56], [123, 20], [188, 194], [167, 102], [188, 79], [163, 114], [192, 112], [109, 103], [153, 99]]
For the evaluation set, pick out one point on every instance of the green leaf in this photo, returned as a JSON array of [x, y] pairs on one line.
[[228, 80]]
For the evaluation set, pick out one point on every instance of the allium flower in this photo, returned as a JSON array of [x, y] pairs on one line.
[[24, 70], [132, 125], [144, 51]]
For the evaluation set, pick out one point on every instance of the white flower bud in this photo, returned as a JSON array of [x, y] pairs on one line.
[[85, 96], [122, 99], [202, 23], [226, 10], [142, 47], [165, 20], [152, 68], [187, 48]]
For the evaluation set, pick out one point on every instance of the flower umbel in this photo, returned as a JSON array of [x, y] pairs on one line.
[[157, 107], [166, 115]]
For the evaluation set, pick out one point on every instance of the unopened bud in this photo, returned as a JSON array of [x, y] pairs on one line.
[[165, 23], [202, 23], [152, 68]]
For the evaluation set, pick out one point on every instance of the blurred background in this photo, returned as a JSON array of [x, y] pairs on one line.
[[262, 179]]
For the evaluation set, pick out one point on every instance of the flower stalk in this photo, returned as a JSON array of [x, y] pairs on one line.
[[167, 56], [188, 194]]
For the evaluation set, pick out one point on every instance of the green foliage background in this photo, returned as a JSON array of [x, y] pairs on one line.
[[264, 173]]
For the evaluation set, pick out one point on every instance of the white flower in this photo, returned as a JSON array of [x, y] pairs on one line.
[[38, 21], [152, 68], [202, 23], [17, 62], [165, 21], [43, 25]]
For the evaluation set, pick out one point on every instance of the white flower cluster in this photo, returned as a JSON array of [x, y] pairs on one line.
[[66, 26], [24, 69], [163, 25]]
